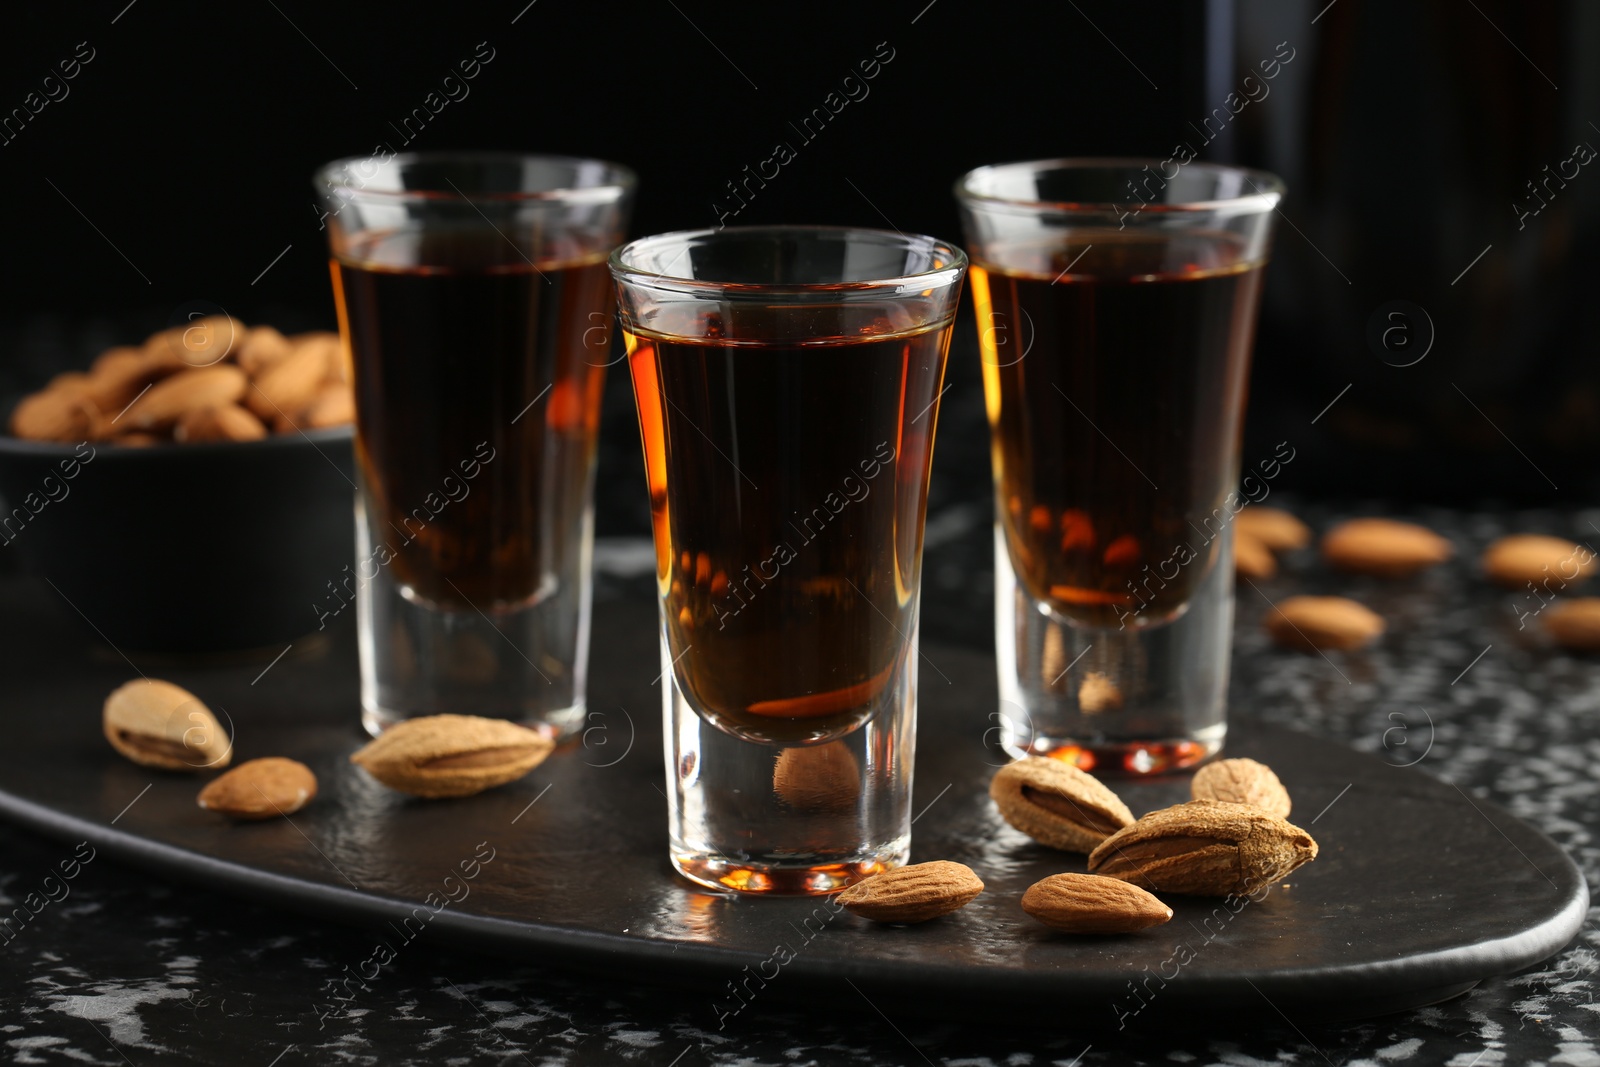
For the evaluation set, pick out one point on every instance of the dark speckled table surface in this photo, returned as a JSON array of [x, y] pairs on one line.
[[135, 969], [132, 968]]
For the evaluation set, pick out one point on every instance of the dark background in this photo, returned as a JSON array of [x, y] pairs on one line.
[[177, 168]]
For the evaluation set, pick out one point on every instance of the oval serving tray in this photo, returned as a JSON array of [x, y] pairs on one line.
[[1419, 893]]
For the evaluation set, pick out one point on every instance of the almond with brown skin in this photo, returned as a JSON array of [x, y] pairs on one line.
[[1093, 904], [1516, 560], [135, 439], [1204, 848], [164, 403], [202, 342], [1575, 623], [158, 724], [64, 415], [1274, 528], [224, 422], [913, 894], [818, 778], [1097, 693], [452, 755], [1383, 547], [333, 404], [263, 346], [116, 357], [261, 789], [1313, 623], [1252, 559], [116, 377], [335, 367], [1056, 804], [1242, 781], [288, 385]]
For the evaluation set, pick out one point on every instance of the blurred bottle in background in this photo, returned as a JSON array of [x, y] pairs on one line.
[[1429, 324]]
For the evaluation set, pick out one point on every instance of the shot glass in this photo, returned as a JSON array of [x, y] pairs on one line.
[[1116, 307], [788, 382], [475, 308]]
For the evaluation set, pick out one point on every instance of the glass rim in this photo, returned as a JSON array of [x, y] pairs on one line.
[[1270, 189], [936, 277], [333, 176]]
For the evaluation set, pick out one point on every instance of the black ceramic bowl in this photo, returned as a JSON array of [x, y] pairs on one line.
[[185, 548]]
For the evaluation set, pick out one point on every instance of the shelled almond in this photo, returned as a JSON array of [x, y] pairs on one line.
[[1519, 559], [1314, 623], [1274, 528], [913, 894], [212, 380], [260, 789], [1093, 904], [1575, 623], [1386, 548], [1259, 534]]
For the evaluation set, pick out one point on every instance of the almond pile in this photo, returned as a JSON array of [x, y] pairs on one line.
[[1231, 839], [212, 380]]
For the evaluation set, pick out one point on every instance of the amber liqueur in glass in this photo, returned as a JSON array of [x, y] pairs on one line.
[[788, 484], [1110, 367], [478, 384]]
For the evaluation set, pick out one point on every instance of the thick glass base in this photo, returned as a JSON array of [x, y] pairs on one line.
[[1129, 757], [527, 663], [559, 724], [1143, 700], [785, 880], [779, 817]]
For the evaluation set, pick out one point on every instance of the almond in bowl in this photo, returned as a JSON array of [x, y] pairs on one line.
[[162, 507], [213, 380]]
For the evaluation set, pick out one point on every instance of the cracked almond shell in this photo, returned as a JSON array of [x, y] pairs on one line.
[[452, 755], [1056, 804], [158, 724], [1242, 781], [1204, 848]]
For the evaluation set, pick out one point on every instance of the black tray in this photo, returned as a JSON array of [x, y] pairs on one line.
[[1420, 892]]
